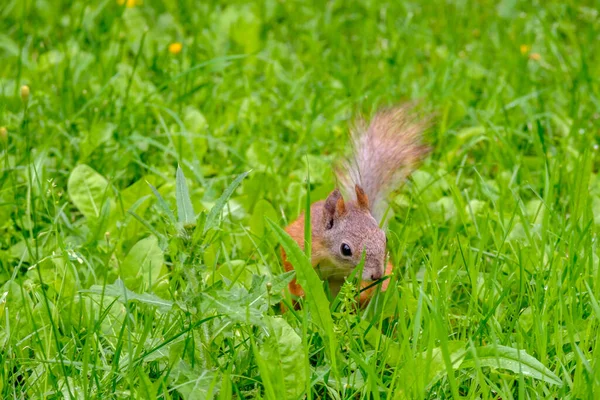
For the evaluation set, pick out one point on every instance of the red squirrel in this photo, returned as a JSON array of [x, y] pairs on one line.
[[385, 152]]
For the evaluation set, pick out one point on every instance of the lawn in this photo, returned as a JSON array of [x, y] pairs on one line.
[[152, 150]]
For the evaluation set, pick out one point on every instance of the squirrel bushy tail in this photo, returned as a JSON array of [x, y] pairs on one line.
[[385, 152]]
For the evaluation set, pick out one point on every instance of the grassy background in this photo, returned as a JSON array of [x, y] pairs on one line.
[[108, 289]]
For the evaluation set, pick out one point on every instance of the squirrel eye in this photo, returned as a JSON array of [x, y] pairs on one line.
[[346, 251]]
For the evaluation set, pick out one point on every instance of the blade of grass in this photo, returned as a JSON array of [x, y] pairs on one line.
[[213, 215]]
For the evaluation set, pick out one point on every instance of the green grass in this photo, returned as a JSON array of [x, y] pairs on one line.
[[123, 277]]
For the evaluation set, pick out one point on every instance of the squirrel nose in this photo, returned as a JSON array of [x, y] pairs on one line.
[[376, 275]]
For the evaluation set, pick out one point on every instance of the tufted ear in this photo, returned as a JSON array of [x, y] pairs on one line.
[[334, 207], [361, 198]]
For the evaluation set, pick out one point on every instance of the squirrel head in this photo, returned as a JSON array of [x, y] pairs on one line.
[[348, 229]]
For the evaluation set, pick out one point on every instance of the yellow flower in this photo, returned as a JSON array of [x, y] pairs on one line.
[[524, 49], [130, 3], [25, 93], [3, 134], [535, 56], [175, 48]]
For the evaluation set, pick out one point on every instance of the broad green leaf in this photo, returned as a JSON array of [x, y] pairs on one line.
[[423, 371], [508, 358], [87, 310], [242, 305], [245, 29], [194, 120], [260, 286], [234, 305], [124, 295], [262, 209], [269, 382], [281, 281], [88, 190], [229, 271], [189, 137], [21, 250], [185, 210], [213, 215], [257, 157], [389, 349], [9, 45], [285, 359], [98, 134], [315, 298], [354, 380], [135, 200], [143, 264], [56, 273], [146, 388], [194, 383], [434, 365], [134, 192], [317, 168]]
